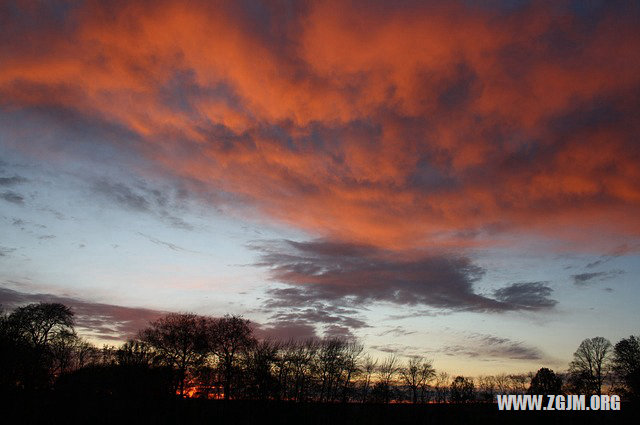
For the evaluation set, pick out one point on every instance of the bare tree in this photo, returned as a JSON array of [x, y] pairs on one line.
[[386, 374], [441, 386], [330, 365], [297, 366], [134, 353], [179, 341], [369, 366], [519, 383], [283, 367], [259, 369], [487, 387], [69, 352], [229, 337], [411, 377], [427, 373], [351, 363], [502, 383], [590, 362]]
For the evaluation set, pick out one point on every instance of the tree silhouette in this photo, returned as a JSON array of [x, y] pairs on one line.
[[38, 323], [331, 363], [68, 352], [427, 373], [40, 350], [462, 390], [296, 368], [519, 383], [545, 382], [589, 365], [503, 383], [441, 387], [386, 375], [35, 345], [135, 353], [351, 366], [487, 387], [416, 376], [180, 342], [626, 363], [411, 376], [259, 364], [228, 338], [369, 366]]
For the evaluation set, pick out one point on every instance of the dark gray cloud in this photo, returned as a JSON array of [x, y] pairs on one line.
[[10, 181], [527, 295], [13, 197], [490, 346], [357, 275], [104, 321], [329, 284], [584, 279]]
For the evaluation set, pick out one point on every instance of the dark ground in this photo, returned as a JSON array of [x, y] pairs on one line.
[[56, 409]]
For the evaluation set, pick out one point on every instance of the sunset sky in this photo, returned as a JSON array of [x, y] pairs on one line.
[[459, 179]]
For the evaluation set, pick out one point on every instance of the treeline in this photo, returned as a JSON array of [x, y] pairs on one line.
[[205, 357]]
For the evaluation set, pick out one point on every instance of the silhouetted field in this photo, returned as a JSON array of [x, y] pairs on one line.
[[55, 408]]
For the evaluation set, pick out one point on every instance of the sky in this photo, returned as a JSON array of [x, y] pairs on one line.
[[458, 180]]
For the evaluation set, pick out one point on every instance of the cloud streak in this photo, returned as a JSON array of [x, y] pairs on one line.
[[6, 251], [13, 197], [11, 181], [492, 347], [144, 199], [169, 245], [586, 279]]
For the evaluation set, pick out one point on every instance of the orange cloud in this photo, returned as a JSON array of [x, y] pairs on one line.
[[401, 127]]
